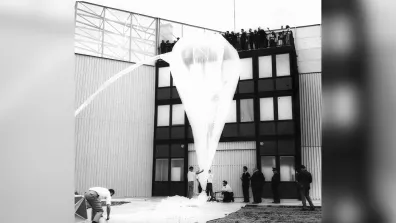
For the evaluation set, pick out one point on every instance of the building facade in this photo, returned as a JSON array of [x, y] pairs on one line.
[[135, 136]]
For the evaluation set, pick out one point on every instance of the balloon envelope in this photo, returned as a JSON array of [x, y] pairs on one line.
[[205, 69]]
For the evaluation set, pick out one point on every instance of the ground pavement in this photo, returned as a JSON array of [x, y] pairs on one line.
[[149, 210]]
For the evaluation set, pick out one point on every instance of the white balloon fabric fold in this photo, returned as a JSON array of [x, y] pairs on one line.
[[205, 70]]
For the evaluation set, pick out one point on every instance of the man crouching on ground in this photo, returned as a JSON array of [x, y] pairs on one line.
[[94, 196]]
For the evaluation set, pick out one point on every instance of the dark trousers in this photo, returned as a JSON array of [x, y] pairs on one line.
[[245, 188], [228, 196], [304, 192], [257, 191], [209, 190], [251, 44], [275, 193], [257, 43], [243, 44], [199, 188]]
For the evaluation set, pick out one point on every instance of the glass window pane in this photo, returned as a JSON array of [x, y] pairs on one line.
[[282, 65], [287, 171], [267, 162], [163, 77], [162, 151], [177, 167], [177, 114], [161, 170], [266, 109], [265, 66], [232, 113], [163, 115], [247, 110], [285, 108], [246, 69]]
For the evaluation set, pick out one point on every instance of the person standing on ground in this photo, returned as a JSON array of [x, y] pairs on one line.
[[209, 186], [257, 180], [245, 184], [304, 179], [94, 196], [274, 185], [191, 176]]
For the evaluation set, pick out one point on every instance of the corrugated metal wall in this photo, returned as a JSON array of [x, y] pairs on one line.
[[311, 128], [312, 159], [227, 164], [114, 134]]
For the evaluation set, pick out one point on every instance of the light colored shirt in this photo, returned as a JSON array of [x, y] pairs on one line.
[[210, 178], [104, 193], [191, 176], [226, 188]]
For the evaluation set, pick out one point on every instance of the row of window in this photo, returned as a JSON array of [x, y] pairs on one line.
[[265, 69], [246, 111], [286, 163]]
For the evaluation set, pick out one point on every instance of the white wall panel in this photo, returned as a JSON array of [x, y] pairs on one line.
[[228, 164], [310, 66], [308, 46], [114, 134], [312, 159], [309, 54], [311, 128], [309, 31]]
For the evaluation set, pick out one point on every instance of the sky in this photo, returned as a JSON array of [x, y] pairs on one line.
[[219, 14]]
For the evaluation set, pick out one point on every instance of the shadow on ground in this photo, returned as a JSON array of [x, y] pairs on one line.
[[271, 214]]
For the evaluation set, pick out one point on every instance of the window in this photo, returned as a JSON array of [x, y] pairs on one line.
[[266, 109], [161, 170], [246, 69], [163, 115], [247, 110], [287, 171], [285, 108], [265, 67], [162, 151], [282, 65], [267, 162], [178, 114], [232, 113], [163, 77], [177, 167]]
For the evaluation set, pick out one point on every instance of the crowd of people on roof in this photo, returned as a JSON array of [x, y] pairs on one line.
[[259, 38], [167, 46], [251, 40]]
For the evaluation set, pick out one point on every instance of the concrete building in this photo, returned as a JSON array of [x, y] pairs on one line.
[[135, 136]]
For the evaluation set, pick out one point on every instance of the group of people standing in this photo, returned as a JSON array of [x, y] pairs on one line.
[[257, 180], [259, 38]]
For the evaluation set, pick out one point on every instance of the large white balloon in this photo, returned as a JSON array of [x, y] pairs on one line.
[[205, 70]]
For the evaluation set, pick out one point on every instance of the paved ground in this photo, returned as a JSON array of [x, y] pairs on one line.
[[271, 214], [150, 210]]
